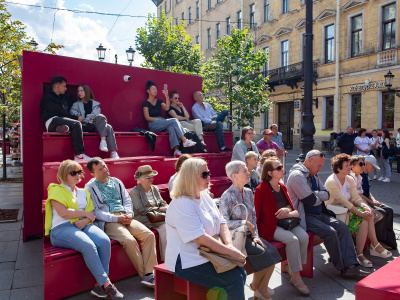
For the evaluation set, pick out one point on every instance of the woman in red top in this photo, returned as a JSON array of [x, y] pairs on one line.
[[272, 202]]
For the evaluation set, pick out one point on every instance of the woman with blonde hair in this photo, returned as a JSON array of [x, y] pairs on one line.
[[69, 222], [192, 220], [251, 161], [264, 156]]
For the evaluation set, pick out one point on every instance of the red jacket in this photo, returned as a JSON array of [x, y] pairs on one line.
[[265, 205]]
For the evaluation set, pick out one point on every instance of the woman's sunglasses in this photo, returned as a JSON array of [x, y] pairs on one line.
[[74, 173], [361, 164], [278, 168], [205, 174]]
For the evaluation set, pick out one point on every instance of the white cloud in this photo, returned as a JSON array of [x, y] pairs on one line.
[[86, 6]]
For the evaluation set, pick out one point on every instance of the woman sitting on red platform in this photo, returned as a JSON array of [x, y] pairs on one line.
[[273, 204], [69, 217], [93, 120]]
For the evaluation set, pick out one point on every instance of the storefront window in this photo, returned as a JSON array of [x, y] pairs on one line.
[[329, 113], [356, 111], [388, 111]]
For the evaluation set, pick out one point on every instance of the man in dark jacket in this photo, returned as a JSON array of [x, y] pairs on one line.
[[54, 111], [346, 141]]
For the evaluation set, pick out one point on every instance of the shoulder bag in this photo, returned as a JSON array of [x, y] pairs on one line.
[[239, 234], [289, 223], [155, 216]]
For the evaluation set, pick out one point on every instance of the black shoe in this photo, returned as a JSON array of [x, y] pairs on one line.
[[226, 149], [99, 292], [113, 292], [354, 271]]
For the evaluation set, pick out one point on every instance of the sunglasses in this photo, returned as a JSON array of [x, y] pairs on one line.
[[320, 155], [74, 173], [205, 174], [278, 168], [361, 164], [268, 134], [177, 98]]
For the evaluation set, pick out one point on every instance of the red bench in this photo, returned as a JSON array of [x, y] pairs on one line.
[[383, 284], [8, 146]]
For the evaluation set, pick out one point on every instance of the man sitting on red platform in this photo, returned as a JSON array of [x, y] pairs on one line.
[[54, 111]]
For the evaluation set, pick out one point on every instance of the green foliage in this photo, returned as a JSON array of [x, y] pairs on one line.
[[13, 40], [168, 48], [231, 78]]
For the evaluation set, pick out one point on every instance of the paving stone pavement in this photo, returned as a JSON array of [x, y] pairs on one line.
[[21, 271]]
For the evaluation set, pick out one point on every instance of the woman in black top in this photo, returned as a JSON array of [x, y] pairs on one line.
[[153, 115], [178, 111]]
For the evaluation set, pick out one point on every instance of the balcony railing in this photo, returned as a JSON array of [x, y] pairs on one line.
[[288, 75], [387, 57]]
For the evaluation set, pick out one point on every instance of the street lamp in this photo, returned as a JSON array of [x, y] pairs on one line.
[[33, 43], [389, 79], [314, 100], [130, 53], [101, 52]]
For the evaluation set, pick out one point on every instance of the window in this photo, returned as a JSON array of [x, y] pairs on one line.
[[285, 6], [356, 111], [190, 15], [252, 16], [176, 1], [197, 10], [389, 26], [266, 65], [208, 4], [165, 6], [356, 35], [329, 112], [329, 43], [228, 26], [388, 110], [239, 19], [208, 38], [265, 119], [266, 10], [197, 39], [218, 1], [285, 53], [183, 16], [217, 31], [176, 21]]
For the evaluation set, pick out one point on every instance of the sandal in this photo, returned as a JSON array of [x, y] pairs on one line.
[[303, 290], [271, 292], [365, 263], [258, 296], [384, 254]]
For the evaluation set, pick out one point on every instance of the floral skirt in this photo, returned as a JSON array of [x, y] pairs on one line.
[[355, 221]]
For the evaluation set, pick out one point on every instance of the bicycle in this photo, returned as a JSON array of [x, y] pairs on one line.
[[332, 147]]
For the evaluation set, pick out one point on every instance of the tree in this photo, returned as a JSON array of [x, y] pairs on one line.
[[232, 76], [168, 48]]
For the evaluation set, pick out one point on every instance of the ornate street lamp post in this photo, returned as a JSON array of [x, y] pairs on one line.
[[101, 52], [130, 53]]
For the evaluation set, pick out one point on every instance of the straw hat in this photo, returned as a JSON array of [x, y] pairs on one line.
[[145, 172]]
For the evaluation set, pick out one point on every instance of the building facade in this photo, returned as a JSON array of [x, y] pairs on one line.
[[356, 43]]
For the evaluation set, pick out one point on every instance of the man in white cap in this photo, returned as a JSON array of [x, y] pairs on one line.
[[383, 228]]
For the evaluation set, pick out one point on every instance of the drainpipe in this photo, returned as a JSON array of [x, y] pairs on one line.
[[336, 121]]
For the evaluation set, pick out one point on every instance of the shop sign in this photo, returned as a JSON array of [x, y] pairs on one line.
[[366, 87]]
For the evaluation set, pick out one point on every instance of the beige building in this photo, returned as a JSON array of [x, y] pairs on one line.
[[356, 42]]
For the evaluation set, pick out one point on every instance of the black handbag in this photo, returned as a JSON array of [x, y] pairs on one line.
[[289, 223]]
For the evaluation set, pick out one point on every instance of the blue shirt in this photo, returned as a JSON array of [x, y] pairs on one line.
[[278, 140], [206, 114], [316, 210], [110, 195]]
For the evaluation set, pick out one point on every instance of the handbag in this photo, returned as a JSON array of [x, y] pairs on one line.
[[342, 213], [289, 223], [378, 216], [239, 234], [221, 262], [155, 216]]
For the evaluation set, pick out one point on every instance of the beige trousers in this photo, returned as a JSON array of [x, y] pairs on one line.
[[162, 239], [127, 236], [194, 125]]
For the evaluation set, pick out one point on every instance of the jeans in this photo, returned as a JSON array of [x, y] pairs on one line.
[[230, 283], [91, 241], [219, 129], [105, 130], [386, 172], [75, 127], [173, 127], [337, 239], [378, 162]]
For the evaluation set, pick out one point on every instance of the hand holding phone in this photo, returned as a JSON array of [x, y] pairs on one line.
[[165, 87]]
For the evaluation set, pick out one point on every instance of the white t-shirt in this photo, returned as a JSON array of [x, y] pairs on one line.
[[358, 181], [363, 143], [379, 144], [345, 188], [80, 199], [150, 198], [186, 220]]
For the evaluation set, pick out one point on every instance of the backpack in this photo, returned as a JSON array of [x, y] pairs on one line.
[[386, 152], [191, 135]]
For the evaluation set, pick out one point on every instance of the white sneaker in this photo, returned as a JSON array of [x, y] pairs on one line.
[[148, 281], [381, 178], [82, 156], [189, 143], [103, 146], [375, 177], [114, 154], [177, 152], [386, 180]]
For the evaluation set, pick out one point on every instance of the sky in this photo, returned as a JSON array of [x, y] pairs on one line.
[[81, 33]]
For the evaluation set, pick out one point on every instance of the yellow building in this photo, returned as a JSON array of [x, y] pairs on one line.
[[363, 34]]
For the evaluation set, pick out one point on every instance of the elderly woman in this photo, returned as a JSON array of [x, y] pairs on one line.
[[178, 165], [251, 160], [192, 220], [69, 217], [362, 143], [261, 255], [245, 144], [264, 156], [147, 204], [93, 120], [272, 202], [343, 192]]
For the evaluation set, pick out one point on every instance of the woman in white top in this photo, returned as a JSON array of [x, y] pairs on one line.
[[69, 217], [376, 147], [192, 220], [362, 143], [343, 192]]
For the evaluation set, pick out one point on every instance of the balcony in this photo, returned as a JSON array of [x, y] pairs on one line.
[[386, 58], [289, 75]]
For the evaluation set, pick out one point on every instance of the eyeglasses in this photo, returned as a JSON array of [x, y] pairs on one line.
[[278, 168], [361, 164], [74, 173], [320, 154], [205, 174], [177, 98]]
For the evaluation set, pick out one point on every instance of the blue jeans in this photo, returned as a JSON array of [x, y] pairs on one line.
[[219, 129], [386, 172], [230, 283], [91, 241], [172, 126]]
